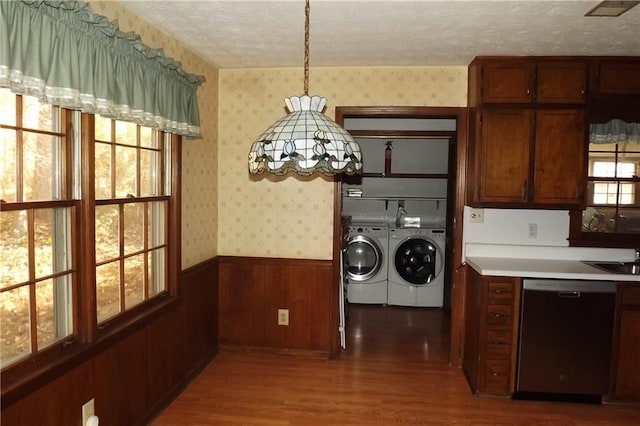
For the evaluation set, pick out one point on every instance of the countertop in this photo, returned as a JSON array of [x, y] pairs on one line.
[[543, 268]]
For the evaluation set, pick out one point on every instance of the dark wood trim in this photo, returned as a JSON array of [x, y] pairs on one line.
[[334, 313], [154, 356], [87, 315], [174, 227], [461, 140]]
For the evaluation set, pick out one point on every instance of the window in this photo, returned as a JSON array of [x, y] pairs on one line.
[[37, 221], [85, 215], [612, 205], [132, 201]]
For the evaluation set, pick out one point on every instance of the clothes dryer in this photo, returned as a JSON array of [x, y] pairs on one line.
[[365, 261], [415, 269]]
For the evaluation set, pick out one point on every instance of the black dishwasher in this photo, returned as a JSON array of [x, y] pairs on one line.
[[566, 328]]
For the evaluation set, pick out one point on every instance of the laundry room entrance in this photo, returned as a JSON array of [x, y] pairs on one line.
[[396, 230]]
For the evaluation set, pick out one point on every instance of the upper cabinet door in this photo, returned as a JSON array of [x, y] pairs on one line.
[[508, 82], [561, 82], [619, 78], [505, 155], [559, 157]]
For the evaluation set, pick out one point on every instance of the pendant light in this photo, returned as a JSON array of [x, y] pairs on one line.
[[305, 141]]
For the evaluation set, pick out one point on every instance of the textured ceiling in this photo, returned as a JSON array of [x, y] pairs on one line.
[[266, 34]]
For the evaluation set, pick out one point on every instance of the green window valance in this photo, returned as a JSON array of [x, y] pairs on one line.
[[63, 53]]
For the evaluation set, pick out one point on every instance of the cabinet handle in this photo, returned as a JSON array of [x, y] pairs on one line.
[[524, 189], [499, 343], [497, 315], [496, 374]]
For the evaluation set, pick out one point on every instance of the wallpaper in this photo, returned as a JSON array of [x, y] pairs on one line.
[[290, 217], [199, 156]]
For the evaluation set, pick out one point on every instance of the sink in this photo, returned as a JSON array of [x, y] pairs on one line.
[[629, 268]]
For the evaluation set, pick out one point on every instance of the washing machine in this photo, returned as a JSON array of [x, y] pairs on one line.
[[365, 259], [415, 267]]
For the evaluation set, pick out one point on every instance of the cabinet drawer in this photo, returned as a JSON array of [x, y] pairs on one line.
[[498, 345], [496, 377], [500, 293], [631, 296], [499, 315]]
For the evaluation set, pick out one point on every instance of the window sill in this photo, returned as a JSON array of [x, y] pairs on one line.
[[27, 376]]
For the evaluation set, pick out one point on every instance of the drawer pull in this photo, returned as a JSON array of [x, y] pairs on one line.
[[500, 343], [497, 315]]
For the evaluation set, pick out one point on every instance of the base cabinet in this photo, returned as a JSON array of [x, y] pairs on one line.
[[625, 380], [491, 324]]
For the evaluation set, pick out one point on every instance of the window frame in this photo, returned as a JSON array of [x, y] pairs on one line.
[[89, 336], [581, 238]]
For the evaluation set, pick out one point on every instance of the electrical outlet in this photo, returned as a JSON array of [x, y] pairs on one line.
[[476, 216], [88, 410], [283, 317], [533, 230]]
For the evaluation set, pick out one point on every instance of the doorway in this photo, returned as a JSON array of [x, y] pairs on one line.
[[447, 320]]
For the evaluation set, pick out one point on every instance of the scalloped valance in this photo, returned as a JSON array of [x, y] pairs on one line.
[[63, 53]]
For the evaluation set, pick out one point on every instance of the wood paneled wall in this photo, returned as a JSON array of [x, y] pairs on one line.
[[251, 290], [135, 377]]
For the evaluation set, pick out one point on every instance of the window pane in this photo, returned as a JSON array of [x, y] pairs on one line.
[[126, 133], [7, 107], [626, 170], [15, 331], [126, 167], [157, 278], [149, 171], [157, 223], [629, 220], [103, 128], [133, 280], [108, 290], [133, 227], [103, 171], [627, 193], [604, 168], [107, 233], [8, 180], [39, 116], [53, 320], [43, 242], [41, 165], [14, 248], [598, 220], [148, 137]]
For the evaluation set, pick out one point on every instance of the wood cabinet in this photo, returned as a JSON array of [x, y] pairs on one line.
[[491, 324], [530, 157], [625, 377], [529, 80], [618, 76], [528, 132]]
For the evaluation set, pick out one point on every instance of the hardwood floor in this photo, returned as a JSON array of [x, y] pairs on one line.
[[395, 370]]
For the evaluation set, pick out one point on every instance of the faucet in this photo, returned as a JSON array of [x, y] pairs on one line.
[[400, 213]]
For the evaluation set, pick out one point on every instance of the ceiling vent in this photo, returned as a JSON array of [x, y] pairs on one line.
[[611, 8]]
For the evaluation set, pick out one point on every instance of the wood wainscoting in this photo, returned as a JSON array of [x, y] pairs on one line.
[[251, 290], [136, 374]]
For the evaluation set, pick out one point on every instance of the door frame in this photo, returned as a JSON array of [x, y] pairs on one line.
[[454, 222]]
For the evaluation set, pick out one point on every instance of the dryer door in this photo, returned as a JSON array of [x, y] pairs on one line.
[[416, 261], [363, 258]]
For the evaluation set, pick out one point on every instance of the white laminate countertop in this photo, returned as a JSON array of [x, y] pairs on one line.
[[543, 268]]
